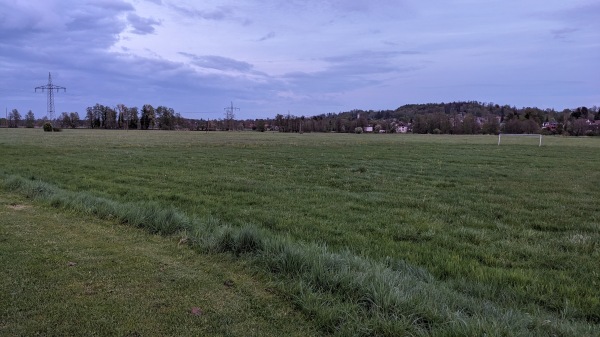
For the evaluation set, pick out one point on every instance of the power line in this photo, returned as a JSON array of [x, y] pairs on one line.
[[50, 88]]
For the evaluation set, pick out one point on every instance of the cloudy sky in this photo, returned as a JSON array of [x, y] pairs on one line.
[[303, 56]]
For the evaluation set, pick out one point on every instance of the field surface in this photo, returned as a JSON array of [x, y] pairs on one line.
[[516, 225], [64, 275]]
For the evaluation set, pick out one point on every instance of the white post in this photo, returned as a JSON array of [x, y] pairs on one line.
[[499, 135], [540, 140]]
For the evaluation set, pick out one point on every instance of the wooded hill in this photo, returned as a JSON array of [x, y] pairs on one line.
[[448, 118]]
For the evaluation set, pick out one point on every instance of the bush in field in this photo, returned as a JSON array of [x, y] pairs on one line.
[[49, 128], [358, 130]]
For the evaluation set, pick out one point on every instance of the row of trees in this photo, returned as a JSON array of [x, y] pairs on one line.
[[122, 117], [14, 119], [105, 117], [445, 118]]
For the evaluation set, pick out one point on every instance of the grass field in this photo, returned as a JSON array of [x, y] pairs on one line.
[[66, 275], [515, 225]]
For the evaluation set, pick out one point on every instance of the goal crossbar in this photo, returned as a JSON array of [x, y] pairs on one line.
[[520, 135]]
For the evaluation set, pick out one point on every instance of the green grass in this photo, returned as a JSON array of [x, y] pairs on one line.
[[343, 294], [66, 275], [514, 224]]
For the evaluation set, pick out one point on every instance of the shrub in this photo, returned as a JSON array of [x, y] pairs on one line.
[[48, 127], [358, 130]]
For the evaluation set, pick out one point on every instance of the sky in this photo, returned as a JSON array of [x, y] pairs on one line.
[[304, 57]]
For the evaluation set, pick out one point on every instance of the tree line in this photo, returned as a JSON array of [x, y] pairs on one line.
[[14, 119], [123, 117], [468, 117]]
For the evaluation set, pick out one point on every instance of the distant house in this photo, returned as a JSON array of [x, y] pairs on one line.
[[593, 122], [401, 129], [594, 125], [368, 129], [550, 126]]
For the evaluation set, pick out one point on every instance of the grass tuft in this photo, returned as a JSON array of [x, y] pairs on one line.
[[151, 216]]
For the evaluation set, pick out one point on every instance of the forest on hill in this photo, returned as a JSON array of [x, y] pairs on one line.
[[466, 117]]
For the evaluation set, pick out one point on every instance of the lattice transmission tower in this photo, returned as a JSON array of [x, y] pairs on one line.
[[50, 88], [230, 116]]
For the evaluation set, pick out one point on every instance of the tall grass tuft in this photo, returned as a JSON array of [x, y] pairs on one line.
[[151, 217], [345, 294], [29, 188]]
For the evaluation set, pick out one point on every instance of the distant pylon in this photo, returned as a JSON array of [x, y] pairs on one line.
[[50, 88], [230, 115]]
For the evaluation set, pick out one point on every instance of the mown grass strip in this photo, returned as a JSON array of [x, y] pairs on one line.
[[344, 293], [63, 273]]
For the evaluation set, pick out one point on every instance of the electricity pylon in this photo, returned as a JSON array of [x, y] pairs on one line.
[[50, 88], [230, 115]]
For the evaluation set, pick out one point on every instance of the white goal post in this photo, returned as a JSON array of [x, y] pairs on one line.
[[520, 135]]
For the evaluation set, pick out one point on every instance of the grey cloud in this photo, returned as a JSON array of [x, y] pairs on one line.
[[95, 26], [323, 82], [113, 5], [345, 7], [584, 14], [142, 26], [360, 57], [581, 16], [221, 13], [391, 43], [69, 36], [409, 52], [351, 71], [561, 34], [19, 19], [269, 36], [54, 29], [368, 59], [218, 14], [157, 81], [351, 6], [94, 22], [219, 63]]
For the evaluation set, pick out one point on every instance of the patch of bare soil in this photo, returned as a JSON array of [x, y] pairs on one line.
[[17, 207]]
